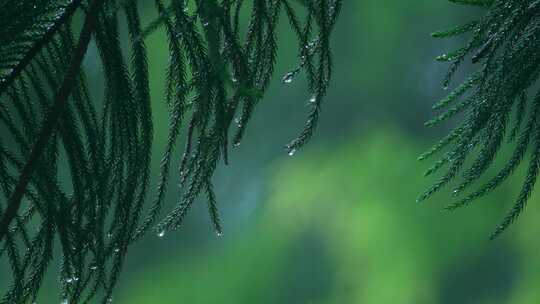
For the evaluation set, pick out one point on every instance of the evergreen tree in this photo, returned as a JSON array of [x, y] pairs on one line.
[[218, 71]]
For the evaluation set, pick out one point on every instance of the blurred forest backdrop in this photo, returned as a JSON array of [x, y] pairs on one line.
[[337, 222]]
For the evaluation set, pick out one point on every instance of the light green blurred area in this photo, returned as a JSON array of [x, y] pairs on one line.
[[338, 222], [339, 226]]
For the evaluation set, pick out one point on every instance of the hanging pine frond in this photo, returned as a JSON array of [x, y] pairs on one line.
[[505, 47], [215, 78]]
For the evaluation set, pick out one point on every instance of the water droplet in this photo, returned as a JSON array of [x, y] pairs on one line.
[[313, 99], [288, 78], [292, 152], [109, 235], [161, 234], [238, 122], [236, 145], [442, 57], [116, 250], [311, 44], [93, 267], [205, 24], [72, 280], [64, 301], [219, 233]]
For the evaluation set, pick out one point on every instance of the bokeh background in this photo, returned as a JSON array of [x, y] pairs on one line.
[[337, 222]]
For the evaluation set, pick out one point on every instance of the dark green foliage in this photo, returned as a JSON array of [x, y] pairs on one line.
[[505, 47], [215, 78]]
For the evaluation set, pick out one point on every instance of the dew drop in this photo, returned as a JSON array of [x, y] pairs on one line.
[[313, 99], [311, 44], [219, 233], [288, 78], [238, 122], [161, 234], [116, 250], [292, 152], [442, 57], [72, 280]]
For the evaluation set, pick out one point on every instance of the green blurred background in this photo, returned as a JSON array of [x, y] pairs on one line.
[[337, 222]]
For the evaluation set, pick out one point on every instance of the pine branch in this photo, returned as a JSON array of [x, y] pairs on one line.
[[504, 44], [50, 123], [69, 10], [215, 78]]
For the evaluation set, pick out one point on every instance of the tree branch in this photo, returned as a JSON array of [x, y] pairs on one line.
[[34, 50], [51, 120]]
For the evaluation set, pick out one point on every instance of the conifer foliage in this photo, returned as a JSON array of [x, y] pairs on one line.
[[500, 102], [222, 58]]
